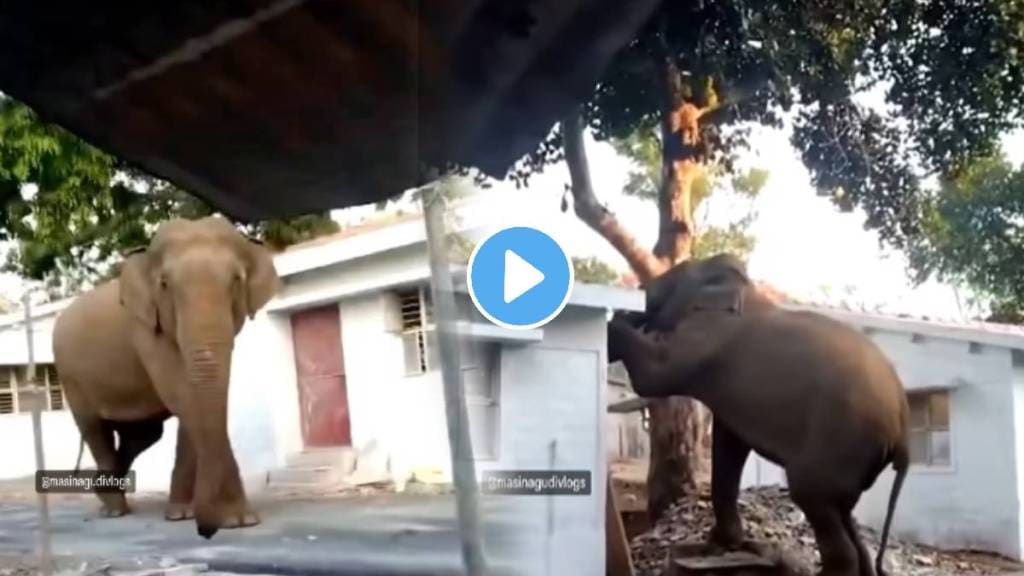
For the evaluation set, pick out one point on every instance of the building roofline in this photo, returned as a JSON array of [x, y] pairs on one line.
[[1002, 335], [17, 316]]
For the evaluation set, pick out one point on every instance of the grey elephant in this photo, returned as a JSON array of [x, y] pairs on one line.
[[157, 342], [804, 391]]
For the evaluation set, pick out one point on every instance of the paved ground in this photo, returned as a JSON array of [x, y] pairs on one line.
[[370, 535]]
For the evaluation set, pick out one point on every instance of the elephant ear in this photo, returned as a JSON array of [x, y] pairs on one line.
[[262, 282], [720, 298], [137, 289]]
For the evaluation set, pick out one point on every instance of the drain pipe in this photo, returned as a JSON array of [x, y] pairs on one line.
[[39, 395], [460, 447]]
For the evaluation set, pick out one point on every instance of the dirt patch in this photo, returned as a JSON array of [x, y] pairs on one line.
[[770, 516]]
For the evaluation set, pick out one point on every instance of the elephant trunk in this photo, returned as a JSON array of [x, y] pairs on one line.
[[643, 359], [207, 350]]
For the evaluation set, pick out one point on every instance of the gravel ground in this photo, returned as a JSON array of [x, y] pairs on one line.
[[770, 516]]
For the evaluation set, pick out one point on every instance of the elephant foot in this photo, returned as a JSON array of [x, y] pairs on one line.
[[247, 518], [726, 539], [114, 507], [178, 511], [230, 516]]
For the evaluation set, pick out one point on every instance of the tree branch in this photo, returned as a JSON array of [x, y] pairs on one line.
[[590, 211]]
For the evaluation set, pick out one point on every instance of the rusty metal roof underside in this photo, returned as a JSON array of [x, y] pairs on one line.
[[271, 108]]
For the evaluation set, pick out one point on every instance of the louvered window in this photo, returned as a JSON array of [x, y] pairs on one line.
[[419, 340]]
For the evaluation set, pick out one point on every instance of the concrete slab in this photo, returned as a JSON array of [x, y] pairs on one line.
[[391, 534]]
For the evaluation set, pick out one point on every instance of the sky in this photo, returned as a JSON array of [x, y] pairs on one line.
[[804, 246]]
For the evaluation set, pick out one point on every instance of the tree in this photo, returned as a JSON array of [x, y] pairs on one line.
[[71, 209], [643, 148], [593, 270], [701, 73], [974, 235]]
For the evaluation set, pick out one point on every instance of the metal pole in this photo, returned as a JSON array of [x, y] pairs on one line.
[[37, 433], [463, 467]]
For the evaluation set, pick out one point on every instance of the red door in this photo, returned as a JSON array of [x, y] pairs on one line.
[[320, 371]]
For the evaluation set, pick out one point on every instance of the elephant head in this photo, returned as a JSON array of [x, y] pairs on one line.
[[717, 282], [195, 285]]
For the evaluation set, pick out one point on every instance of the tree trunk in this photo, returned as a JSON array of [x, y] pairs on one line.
[[680, 427]]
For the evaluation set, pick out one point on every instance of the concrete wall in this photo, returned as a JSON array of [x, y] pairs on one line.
[[974, 502], [404, 416], [552, 406], [1017, 362], [14, 345]]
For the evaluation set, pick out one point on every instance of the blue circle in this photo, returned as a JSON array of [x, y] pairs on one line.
[[539, 304]]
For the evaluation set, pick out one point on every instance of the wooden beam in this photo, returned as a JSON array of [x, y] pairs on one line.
[[617, 557]]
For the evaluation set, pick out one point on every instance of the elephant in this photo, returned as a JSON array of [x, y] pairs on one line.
[[156, 342], [804, 391]]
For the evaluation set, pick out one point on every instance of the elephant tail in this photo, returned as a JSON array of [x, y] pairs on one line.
[[81, 449], [900, 463]]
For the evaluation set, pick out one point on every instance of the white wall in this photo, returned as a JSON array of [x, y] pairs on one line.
[[1017, 362], [60, 444], [552, 408], [402, 415], [263, 405], [14, 344], [973, 503]]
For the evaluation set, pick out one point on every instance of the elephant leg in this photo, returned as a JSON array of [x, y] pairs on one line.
[[839, 556], [660, 365], [729, 455], [866, 567], [134, 438], [183, 480], [220, 489], [99, 436], [236, 511]]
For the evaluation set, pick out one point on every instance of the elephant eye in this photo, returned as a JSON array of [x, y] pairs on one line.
[[163, 282]]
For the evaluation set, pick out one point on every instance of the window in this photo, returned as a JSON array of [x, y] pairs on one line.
[[14, 380], [419, 340], [8, 389], [53, 387], [929, 428]]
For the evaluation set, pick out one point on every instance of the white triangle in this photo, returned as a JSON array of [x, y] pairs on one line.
[[520, 276]]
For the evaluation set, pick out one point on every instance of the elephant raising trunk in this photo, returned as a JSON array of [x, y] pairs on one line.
[[168, 325], [804, 391]]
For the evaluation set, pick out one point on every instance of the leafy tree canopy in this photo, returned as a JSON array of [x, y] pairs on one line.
[[70, 209], [974, 235], [951, 75]]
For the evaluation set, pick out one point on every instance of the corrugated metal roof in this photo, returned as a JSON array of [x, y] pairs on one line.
[[270, 108]]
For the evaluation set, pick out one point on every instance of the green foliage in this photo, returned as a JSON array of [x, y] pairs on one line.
[[279, 234], [974, 234], [952, 74], [643, 148], [460, 248], [731, 238], [593, 270], [69, 209]]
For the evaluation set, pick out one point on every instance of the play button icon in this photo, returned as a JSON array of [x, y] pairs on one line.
[[519, 278]]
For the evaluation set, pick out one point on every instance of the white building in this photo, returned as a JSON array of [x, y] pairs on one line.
[[965, 383], [345, 356]]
